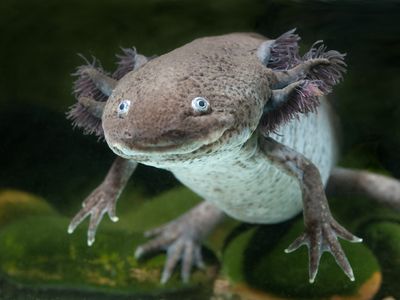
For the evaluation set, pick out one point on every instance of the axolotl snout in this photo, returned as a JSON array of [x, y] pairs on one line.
[[241, 121]]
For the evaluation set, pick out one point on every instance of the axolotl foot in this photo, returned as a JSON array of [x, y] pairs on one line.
[[322, 236], [101, 201], [180, 245], [181, 239]]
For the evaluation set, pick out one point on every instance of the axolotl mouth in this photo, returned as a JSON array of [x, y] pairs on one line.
[[205, 131]]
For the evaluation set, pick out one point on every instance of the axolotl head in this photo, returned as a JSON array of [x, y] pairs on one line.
[[196, 98], [206, 96]]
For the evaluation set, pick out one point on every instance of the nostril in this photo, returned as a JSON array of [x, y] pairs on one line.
[[127, 134]]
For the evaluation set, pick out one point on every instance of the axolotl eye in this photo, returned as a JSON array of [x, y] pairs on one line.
[[200, 104], [123, 107]]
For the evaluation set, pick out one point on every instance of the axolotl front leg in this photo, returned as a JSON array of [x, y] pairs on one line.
[[104, 198], [321, 229]]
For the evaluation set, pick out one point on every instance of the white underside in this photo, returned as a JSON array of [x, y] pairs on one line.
[[246, 186]]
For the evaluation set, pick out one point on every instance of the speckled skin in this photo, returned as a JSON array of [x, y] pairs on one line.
[[222, 153], [162, 123], [261, 152], [270, 195], [235, 175]]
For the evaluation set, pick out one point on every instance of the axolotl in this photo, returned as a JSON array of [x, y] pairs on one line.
[[239, 119]]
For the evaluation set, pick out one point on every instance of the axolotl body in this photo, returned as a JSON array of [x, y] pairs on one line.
[[239, 119]]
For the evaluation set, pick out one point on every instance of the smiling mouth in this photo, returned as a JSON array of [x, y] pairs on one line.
[[133, 149], [138, 149], [172, 142], [156, 147]]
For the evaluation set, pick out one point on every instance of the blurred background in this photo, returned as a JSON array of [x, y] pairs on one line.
[[41, 154]]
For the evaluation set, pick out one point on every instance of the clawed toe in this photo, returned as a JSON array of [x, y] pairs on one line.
[[324, 237], [344, 233], [300, 241], [182, 250], [96, 206], [179, 248], [175, 253], [158, 244]]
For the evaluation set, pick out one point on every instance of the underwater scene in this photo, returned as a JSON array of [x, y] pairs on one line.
[[75, 140]]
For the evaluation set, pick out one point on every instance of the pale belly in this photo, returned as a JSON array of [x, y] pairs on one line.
[[248, 187]]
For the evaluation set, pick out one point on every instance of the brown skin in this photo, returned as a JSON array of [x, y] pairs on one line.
[[161, 121], [248, 82], [161, 114]]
